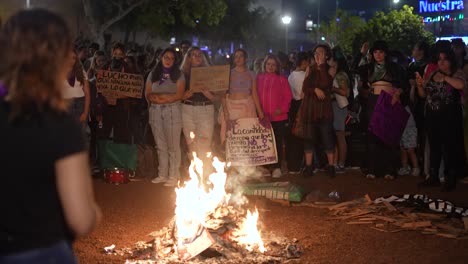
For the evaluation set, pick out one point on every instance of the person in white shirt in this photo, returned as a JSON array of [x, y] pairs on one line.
[[76, 90], [294, 146]]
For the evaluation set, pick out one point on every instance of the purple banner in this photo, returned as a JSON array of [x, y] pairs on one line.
[[388, 121]]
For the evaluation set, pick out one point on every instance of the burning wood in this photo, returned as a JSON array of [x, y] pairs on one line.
[[211, 227]]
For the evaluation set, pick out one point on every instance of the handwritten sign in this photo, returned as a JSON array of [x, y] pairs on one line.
[[388, 121], [250, 144], [213, 78], [115, 85]]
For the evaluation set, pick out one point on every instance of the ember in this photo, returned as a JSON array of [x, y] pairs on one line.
[[210, 226]]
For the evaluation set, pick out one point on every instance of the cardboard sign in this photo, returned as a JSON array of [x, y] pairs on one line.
[[250, 144], [213, 78], [192, 249], [115, 85], [388, 121]]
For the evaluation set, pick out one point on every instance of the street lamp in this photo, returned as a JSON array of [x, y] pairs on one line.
[[286, 20]]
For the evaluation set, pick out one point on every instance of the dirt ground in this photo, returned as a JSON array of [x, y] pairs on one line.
[[133, 210]]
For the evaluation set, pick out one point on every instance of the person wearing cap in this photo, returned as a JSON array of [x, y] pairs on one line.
[[381, 75]]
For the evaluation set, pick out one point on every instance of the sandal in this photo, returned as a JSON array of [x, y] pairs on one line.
[[370, 176]]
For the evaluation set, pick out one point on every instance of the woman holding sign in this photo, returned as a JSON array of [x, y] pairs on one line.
[[242, 98], [164, 90], [197, 107]]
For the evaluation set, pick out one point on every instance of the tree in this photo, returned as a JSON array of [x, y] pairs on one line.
[[400, 28], [340, 30], [164, 17], [100, 15], [157, 16]]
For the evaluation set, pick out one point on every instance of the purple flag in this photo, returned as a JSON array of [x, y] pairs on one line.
[[388, 121]]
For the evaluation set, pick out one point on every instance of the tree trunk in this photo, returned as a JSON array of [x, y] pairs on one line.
[[98, 30]]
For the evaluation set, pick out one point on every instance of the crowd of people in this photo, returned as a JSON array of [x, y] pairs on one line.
[[313, 101]]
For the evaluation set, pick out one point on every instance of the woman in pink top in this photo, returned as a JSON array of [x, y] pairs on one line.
[[275, 96], [241, 101]]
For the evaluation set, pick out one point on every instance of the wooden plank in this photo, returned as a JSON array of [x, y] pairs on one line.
[[417, 224], [359, 223], [384, 218], [354, 215], [389, 206], [446, 235], [368, 198], [367, 219], [337, 206], [379, 229], [380, 225]]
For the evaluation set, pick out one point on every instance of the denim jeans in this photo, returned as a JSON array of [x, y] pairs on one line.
[[166, 123], [60, 252], [200, 121]]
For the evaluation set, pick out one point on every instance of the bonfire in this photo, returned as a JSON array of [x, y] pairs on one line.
[[211, 226]]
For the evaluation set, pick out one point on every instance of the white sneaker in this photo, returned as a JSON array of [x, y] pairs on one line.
[[404, 171], [277, 173], [416, 172], [159, 180]]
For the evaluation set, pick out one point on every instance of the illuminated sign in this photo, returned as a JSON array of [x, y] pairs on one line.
[[444, 18], [440, 6]]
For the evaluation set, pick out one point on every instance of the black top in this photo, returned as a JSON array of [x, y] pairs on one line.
[[32, 215], [196, 97]]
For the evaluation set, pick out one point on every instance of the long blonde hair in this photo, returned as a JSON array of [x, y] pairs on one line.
[[186, 65], [35, 44]]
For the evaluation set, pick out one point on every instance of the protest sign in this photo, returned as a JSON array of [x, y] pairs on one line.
[[213, 78], [250, 144], [115, 85]]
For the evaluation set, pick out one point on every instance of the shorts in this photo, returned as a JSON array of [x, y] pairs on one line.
[[339, 117], [409, 139]]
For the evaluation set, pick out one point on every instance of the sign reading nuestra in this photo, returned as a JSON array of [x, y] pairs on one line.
[[115, 85], [440, 6]]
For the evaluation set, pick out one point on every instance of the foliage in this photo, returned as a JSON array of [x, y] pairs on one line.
[[340, 30], [157, 16], [163, 17], [400, 28]]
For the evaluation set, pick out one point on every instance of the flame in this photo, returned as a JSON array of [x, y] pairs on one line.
[[248, 235], [195, 201], [199, 197]]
